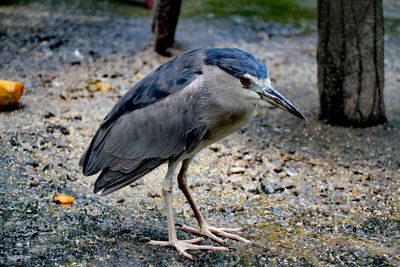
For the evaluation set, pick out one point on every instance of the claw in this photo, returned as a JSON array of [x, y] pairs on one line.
[[211, 232], [183, 245]]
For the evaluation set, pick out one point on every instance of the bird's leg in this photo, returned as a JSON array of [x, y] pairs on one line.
[[180, 245], [204, 228]]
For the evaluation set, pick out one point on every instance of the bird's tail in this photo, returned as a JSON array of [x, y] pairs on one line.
[[112, 180]]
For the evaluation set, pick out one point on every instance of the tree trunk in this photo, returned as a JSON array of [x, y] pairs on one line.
[[350, 62], [164, 24]]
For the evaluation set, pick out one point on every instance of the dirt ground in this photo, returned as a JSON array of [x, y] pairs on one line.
[[309, 194]]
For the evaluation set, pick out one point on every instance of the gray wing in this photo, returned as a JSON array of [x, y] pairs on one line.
[[144, 139], [156, 120]]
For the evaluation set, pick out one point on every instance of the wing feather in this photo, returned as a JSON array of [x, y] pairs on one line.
[[131, 142], [154, 88]]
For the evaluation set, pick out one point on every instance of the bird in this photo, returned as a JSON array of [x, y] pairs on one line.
[[186, 104]]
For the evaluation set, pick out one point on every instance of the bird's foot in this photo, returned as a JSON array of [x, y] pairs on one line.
[[183, 245], [212, 233]]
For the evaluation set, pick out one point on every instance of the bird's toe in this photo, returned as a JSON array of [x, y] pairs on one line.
[[227, 232], [214, 232], [182, 245]]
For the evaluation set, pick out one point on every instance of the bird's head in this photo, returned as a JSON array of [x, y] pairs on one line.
[[251, 77]]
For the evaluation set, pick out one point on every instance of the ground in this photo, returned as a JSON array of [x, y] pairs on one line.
[[309, 194]]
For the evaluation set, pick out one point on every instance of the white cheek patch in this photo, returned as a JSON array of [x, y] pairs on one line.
[[249, 94], [261, 83]]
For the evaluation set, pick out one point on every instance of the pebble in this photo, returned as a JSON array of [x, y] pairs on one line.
[[52, 127], [232, 208], [291, 172], [34, 183], [237, 170], [14, 142], [214, 147], [153, 194], [271, 188], [248, 157], [33, 163], [250, 187], [278, 169], [254, 198]]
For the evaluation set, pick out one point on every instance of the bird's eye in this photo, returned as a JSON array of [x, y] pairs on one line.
[[245, 81]]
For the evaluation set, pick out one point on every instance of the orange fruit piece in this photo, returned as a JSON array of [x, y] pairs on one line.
[[10, 92]]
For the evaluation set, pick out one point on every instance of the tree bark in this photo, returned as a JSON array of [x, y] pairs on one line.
[[164, 24], [350, 62]]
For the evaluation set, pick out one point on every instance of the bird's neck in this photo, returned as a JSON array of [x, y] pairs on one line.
[[226, 115]]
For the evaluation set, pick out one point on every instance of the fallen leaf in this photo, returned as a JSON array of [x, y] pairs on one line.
[[63, 199], [104, 87]]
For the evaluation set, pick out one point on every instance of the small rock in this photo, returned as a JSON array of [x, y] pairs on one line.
[[291, 172], [95, 55], [32, 163], [64, 177], [120, 201], [236, 185], [251, 188], [271, 188], [14, 142], [232, 208], [78, 54], [63, 130], [71, 178], [33, 183], [253, 198], [48, 115], [136, 183], [47, 167], [61, 144], [236, 170], [259, 159], [78, 117], [267, 186], [52, 127], [248, 157], [278, 163], [153, 194], [214, 147], [56, 45], [278, 169]]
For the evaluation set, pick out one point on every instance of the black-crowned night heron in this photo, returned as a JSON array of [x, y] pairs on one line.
[[170, 115]]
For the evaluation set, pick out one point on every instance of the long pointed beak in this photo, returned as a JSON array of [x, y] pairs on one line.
[[273, 97]]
